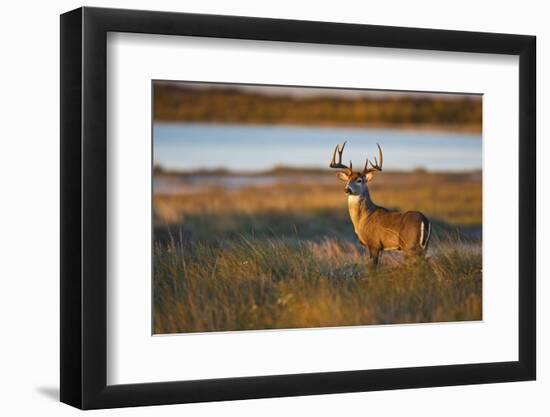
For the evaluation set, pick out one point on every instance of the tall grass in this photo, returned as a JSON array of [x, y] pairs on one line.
[[287, 257], [268, 284]]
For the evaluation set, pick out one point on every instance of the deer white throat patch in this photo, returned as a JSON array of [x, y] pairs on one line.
[[354, 202], [353, 199]]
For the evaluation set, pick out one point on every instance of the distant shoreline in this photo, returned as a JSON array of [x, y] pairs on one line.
[[290, 171], [474, 129]]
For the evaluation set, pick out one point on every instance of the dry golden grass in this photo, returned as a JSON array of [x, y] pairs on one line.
[[271, 284], [285, 256], [453, 198]]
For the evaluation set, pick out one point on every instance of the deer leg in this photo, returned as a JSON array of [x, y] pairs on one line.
[[374, 254]]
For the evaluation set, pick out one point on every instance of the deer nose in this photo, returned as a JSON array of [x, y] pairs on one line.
[[347, 190]]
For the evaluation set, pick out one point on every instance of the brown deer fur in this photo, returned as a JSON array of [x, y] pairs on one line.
[[376, 227]]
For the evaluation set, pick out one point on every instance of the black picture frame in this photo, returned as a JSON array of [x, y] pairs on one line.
[[84, 207]]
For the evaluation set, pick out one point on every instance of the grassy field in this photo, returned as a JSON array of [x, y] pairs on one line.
[[285, 255]]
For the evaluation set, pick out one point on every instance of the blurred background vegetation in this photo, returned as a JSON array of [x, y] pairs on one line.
[[223, 104]]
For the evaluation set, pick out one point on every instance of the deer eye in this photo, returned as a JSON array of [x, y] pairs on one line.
[[359, 180]]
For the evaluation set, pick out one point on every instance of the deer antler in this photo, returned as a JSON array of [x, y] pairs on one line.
[[375, 166], [339, 164]]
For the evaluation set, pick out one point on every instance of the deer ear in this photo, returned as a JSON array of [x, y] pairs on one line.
[[369, 176], [342, 176]]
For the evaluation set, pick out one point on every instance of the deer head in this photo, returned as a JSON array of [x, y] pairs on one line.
[[356, 182]]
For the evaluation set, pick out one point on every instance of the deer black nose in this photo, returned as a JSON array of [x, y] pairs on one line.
[[347, 190]]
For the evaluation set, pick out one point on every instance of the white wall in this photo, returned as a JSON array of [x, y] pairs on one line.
[[29, 223]]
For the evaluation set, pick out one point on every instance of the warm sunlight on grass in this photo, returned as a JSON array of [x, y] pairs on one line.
[[285, 256]]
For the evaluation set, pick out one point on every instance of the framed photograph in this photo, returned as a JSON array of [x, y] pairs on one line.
[[257, 208]]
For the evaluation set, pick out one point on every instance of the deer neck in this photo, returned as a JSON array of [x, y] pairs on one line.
[[360, 206]]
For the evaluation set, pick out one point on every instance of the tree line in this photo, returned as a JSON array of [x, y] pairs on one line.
[[226, 105]]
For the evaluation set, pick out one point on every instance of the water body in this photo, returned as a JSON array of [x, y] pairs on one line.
[[192, 146]]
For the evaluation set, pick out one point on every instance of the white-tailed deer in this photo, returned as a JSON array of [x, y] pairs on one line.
[[378, 228]]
